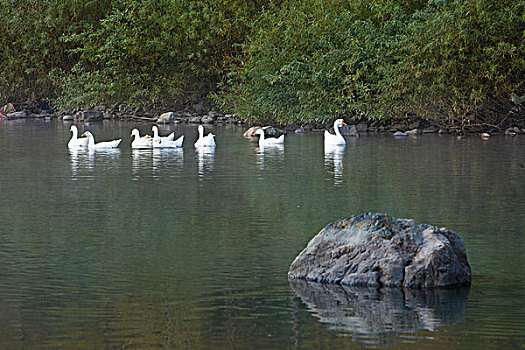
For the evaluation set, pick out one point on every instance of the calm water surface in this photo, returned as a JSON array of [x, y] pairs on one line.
[[188, 250]]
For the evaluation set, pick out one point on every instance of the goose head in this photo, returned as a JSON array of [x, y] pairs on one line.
[[339, 123]]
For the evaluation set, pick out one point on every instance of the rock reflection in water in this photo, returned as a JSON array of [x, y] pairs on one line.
[[378, 316]]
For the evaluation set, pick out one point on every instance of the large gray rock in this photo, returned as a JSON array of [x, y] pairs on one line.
[[89, 116], [209, 119], [349, 130], [378, 250], [166, 118], [17, 115], [269, 131]]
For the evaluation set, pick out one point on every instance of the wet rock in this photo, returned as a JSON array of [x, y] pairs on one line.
[[431, 130], [68, 117], [89, 116], [195, 120], [209, 119], [413, 132], [349, 130], [510, 132], [17, 115], [44, 115], [378, 250], [269, 131], [400, 134], [166, 118]]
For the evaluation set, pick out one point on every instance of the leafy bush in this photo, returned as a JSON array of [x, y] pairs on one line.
[[380, 59], [30, 45], [460, 57], [280, 61]]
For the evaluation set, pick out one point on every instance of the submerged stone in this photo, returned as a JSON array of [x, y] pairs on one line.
[[378, 250]]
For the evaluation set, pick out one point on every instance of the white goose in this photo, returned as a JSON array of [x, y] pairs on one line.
[[156, 135], [270, 140], [100, 145], [141, 142], [75, 140], [167, 141], [336, 139], [205, 141]]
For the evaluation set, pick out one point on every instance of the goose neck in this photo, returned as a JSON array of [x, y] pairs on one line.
[[91, 140], [75, 132], [336, 130]]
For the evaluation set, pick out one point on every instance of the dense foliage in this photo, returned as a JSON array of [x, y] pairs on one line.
[[313, 60], [437, 58], [143, 52]]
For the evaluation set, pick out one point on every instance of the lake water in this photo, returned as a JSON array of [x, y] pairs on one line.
[[187, 250]]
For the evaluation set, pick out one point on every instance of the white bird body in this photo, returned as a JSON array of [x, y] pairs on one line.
[[337, 139], [205, 141], [266, 141], [166, 141], [158, 143], [141, 142], [100, 145], [75, 140]]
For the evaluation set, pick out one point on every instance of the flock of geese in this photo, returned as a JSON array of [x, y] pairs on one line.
[[87, 140]]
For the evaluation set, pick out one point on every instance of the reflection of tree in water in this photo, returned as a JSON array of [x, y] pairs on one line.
[[378, 316]]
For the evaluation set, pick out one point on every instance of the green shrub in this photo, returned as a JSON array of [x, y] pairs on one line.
[[380, 59]]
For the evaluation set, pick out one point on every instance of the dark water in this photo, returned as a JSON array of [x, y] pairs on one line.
[[187, 250]]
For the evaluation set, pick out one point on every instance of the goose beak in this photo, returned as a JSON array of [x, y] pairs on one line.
[[84, 134], [344, 123]]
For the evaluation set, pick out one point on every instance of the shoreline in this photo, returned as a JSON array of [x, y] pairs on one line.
[[398, 127]]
